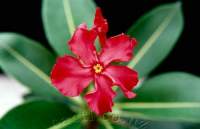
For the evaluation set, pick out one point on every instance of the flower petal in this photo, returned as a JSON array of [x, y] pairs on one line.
[[69, 77], [100, 101], [118, 48], [101, 26], [124, 77], [82, 44]]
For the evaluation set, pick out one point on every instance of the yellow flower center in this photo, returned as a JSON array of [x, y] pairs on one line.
[[98, 68]]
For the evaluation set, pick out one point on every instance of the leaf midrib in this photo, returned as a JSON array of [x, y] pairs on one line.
[[36, 70], [130, 114], [28, 64], [68, 16], [152, 39], [158, 105]]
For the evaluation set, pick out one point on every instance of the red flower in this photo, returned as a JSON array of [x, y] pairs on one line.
[[71, 75]]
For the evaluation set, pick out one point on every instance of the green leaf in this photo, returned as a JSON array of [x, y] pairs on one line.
[[171, 96], [60, 17], [29, 63], [38, 114], [157, 33]]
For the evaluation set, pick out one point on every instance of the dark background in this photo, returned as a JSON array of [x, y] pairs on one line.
[[25, 17]]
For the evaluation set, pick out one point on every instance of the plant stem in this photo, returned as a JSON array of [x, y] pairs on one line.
[[67, 122], [92, 125], [106, 123], [78, 100], [129, 114]]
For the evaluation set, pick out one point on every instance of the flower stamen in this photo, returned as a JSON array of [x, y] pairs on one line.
[[98, 68]]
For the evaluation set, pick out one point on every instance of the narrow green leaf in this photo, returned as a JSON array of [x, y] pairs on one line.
[[157, 33], [172, 96], [29, 63], [60, 17], [38, 114]]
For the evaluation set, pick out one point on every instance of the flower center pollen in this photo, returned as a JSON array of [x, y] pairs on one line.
[[98, 68]]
